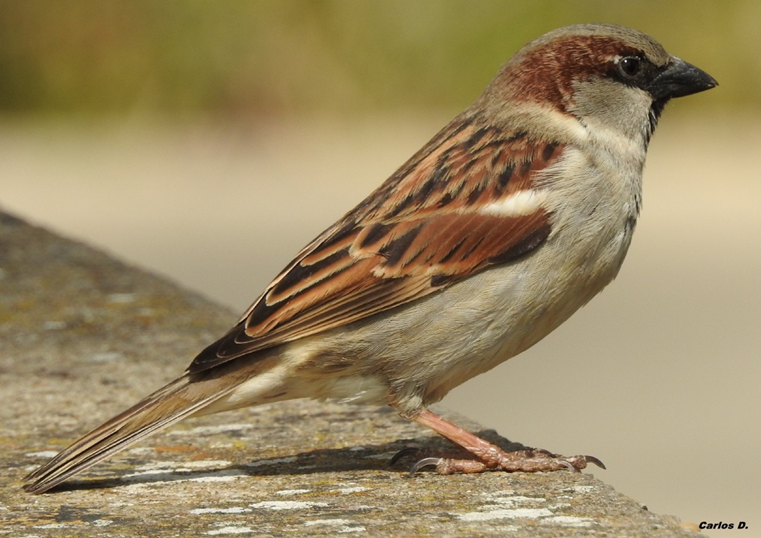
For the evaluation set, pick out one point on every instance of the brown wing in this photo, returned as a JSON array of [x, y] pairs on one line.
[[425, 228]]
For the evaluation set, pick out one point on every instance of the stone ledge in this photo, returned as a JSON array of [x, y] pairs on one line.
[[84, 336]]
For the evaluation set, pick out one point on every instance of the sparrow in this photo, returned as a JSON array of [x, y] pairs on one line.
[[511, 218]]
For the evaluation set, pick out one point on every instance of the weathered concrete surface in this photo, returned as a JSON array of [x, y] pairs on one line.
[[83, 336]]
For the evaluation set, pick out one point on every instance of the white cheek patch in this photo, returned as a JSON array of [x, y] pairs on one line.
[[519, 204]]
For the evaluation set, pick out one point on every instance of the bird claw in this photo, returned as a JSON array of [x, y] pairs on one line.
[[403, 453], [425, 462], [592, 459]]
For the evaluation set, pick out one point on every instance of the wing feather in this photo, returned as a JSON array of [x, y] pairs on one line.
[[435, 222]]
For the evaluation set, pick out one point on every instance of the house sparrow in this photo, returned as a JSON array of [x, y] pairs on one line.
[[511, 218]]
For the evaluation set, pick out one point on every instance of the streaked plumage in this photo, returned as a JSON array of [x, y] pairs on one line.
[[511, 218]]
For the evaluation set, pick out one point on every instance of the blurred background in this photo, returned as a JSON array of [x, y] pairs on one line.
[[209, 141]]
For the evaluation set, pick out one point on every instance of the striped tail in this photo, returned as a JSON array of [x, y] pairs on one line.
[[168, 405]]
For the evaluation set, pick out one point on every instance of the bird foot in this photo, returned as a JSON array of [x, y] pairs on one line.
[[527, 461], [481, 455]]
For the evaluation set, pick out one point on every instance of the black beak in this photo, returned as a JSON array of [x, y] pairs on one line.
[[680, 79]]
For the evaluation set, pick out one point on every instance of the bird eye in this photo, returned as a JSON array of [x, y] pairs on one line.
[[630, 66]]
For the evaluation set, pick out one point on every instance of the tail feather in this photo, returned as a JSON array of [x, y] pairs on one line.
[[168, 405]]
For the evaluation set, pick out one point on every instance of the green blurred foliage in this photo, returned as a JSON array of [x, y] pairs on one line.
[[292, 56]]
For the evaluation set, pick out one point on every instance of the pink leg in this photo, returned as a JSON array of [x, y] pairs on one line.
[[489, 456]]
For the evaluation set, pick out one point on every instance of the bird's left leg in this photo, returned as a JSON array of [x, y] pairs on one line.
[[489, 456]]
